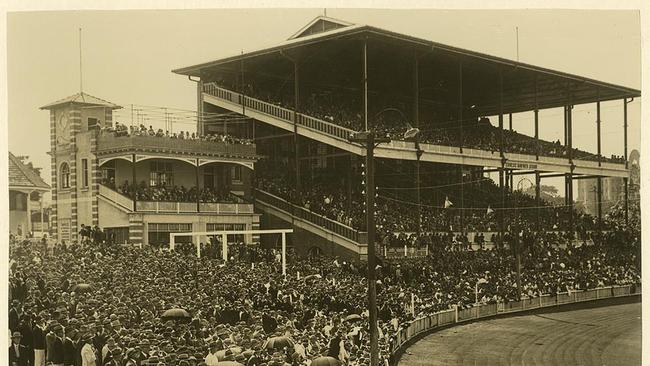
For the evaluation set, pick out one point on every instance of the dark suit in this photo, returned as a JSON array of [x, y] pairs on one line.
[[68, 352], [20, 359], [14, 319], [58, 352]]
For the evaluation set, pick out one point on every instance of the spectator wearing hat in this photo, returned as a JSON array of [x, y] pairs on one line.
[[88, 352], [38, 332], [69, 342], [15, 313], [58, 352], [18, 354]]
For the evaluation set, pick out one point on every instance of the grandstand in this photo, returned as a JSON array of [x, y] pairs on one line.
[[305, 96]]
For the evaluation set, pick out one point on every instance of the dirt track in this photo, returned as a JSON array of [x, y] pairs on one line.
[[609, 335]]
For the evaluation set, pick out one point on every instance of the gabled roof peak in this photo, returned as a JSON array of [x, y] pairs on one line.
[[320, 24], [82, 98]]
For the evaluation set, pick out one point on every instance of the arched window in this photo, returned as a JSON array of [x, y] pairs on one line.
[[65, 175]]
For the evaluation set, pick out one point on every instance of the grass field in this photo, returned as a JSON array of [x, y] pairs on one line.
[[608, 335]]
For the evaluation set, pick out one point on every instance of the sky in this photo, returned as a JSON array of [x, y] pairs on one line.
[[128, 57]]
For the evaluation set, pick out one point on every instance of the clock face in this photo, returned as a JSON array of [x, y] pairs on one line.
[[63, 133]]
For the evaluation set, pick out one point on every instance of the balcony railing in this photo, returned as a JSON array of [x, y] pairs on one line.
[[109, 142], [220, 208], [343, 133], [314, 218]]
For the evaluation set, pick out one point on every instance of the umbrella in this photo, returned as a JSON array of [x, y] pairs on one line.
[[325, 361], [176, 314], [82, 288], [222, 354], [352, 317], [278, 343]]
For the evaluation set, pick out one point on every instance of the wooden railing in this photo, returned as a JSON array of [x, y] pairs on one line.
[[312, 217], [426, 324]]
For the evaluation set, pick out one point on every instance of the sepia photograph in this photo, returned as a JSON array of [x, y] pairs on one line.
[[323, 187]]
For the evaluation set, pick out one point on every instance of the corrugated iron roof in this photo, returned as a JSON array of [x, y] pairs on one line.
[[21, 175], [82, 98]]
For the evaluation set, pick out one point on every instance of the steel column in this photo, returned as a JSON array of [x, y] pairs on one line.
[[625, 180], [538, 200], [198, 195], [460, 120], [503, 161], [537, 146], [416, 121], [135, 184], [296, 106]]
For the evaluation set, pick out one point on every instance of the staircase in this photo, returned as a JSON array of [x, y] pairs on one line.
[[331, 231]]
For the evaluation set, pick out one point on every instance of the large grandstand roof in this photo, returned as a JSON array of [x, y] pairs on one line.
[[525, 86]]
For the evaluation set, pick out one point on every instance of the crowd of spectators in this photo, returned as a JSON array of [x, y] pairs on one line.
[[141, 130], [103, 305], [396, 214], [171, 193], [341, 107]]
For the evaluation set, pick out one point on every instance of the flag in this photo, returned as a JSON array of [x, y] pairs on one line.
[[489, 210], [448, 202]]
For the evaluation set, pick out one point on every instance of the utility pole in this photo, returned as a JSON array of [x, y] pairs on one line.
[[369, 139]]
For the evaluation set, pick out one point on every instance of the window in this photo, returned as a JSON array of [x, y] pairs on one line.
[[118, 235], [84, 173], [16, 201], [239, 238], [235, 174], [65, 176], [208, 177], [93, 123], [161, 174], [159, 233]]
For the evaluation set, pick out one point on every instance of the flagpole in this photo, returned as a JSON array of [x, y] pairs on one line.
[[81, 88]]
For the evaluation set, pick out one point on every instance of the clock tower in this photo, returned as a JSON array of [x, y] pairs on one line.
[[74, 124]]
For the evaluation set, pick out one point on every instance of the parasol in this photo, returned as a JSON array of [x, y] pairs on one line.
[[176, 314], [278, 343], [325, 361], [82, 288], [352, 318]]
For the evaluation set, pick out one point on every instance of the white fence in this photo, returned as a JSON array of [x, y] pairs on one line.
[[456, 316]]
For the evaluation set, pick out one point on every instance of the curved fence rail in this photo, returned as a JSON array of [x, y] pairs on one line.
[[429, 323]]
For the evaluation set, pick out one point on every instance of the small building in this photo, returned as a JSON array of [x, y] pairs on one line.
[[26, 189]]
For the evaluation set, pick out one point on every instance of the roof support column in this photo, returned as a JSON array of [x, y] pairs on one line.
[[296, 108], [135, 184], [416, 121], [569, 177], [598, 146], [537, 147], [503, 162], [242, 88], [460, 120], [28, 229], [198, 191], [510, 121], [599, 199], [625, 180], [538, 199]]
